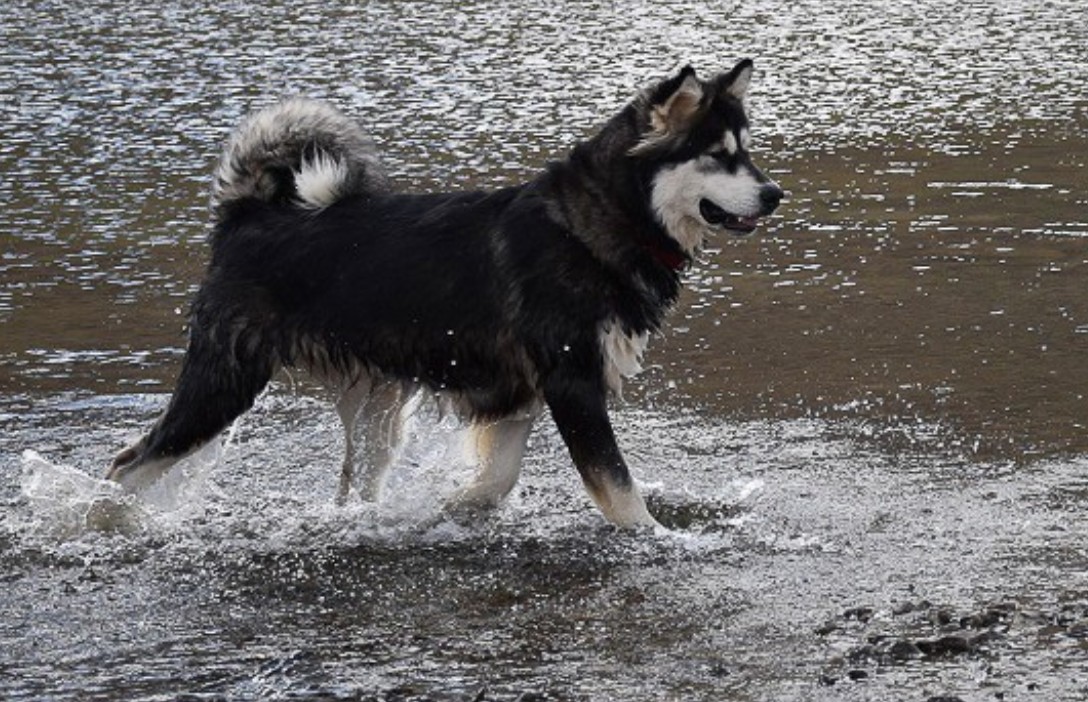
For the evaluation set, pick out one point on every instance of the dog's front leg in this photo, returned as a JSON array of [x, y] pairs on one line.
[[580, 410]]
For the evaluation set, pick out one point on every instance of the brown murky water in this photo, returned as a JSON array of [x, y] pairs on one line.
[[913, 284], [867, 424]]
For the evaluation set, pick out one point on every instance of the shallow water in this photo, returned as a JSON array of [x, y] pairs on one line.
[[865, 427]]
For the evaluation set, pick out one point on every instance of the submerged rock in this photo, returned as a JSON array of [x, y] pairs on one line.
[[904, 650]]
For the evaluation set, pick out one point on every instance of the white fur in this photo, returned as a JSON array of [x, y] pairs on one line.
[[622, 505], [678, 189], [622, 354], [284, 135], [729, 143], [745, 138], [739, 87], [673, 111], [497, 448], [320, 181], [372, 413], [148, 473]]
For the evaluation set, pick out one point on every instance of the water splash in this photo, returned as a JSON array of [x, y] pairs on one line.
[[65, 502]]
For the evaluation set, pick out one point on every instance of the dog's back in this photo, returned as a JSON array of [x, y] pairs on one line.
[[407, 286]]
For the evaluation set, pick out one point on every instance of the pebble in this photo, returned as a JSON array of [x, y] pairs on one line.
[[862, 614], [981, 620], [862, 653], [945, 646], [532, 697], [1078, 630], [904, 650], [909, 607], [905, 608]]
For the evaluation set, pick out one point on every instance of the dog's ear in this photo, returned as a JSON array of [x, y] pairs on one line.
[[675, 101], [735, 82]]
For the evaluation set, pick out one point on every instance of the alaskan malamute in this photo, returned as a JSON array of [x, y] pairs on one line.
[[541, 294]]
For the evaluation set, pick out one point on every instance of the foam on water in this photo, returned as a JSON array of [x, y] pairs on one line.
[[274, 490]]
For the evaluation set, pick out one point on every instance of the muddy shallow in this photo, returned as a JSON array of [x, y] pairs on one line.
[[800, 558], [866, 427]]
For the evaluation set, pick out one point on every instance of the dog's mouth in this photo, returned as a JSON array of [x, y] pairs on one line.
[[717, 217]]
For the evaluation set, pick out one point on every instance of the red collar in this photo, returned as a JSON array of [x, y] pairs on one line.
[[668, 257]]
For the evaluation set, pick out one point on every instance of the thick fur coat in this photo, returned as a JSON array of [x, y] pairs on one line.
[[541, 294]]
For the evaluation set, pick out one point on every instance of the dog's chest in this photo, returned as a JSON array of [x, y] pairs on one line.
[[622, 353]]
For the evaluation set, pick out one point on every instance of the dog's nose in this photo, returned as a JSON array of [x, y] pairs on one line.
[[770, 195]]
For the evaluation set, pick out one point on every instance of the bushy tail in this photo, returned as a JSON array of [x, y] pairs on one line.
[[299, 151]]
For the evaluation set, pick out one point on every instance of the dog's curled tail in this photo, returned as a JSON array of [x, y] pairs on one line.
[[299, 151]]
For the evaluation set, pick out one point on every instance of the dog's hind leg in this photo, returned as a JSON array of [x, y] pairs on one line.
[[372, 414], [499, 448], [220, 379]]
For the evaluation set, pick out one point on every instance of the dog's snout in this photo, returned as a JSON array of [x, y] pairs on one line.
[[770, 195]]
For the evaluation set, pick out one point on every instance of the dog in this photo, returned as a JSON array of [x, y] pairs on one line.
[[503, 303]]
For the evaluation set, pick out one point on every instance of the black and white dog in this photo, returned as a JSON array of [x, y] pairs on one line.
[[500, 302]]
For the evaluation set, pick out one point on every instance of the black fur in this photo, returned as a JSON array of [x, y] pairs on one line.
[[495, 298]]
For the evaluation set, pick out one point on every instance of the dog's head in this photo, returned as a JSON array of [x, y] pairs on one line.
[[693, 144]]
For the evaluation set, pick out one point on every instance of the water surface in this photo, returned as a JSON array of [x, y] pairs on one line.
[[866, 426]]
